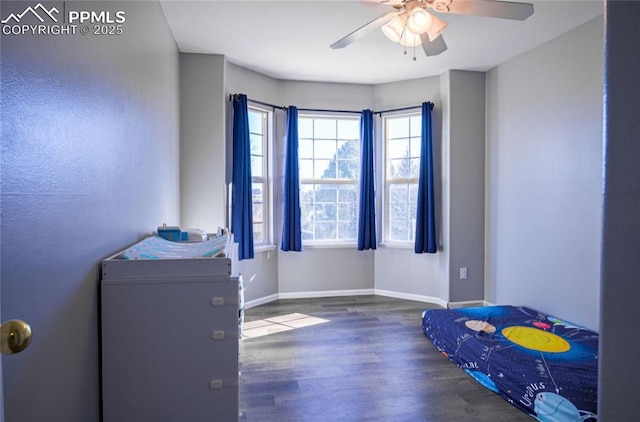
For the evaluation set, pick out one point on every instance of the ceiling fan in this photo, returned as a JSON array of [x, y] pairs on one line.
[[412, 23]]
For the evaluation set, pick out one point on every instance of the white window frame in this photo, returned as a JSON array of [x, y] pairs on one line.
[[388, 182], [319, 243], [266, 179]]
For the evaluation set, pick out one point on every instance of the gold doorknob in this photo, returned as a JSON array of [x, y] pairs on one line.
[[15, 336]]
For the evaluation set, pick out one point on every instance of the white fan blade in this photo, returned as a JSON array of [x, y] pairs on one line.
[[435, 47], [364, 30], [491, 8]]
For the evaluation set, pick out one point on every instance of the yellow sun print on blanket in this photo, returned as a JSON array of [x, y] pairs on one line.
[[536, 339]]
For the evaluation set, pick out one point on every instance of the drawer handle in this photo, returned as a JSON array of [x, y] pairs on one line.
[[215, 384], [217, 335], [217, 301]]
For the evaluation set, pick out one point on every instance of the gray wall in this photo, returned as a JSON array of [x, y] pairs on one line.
[[265, 265], [318, 269], [619, 343], [397, 270], [466, 143], [202, 141], [401, 270], [544, 155], [89, 166]]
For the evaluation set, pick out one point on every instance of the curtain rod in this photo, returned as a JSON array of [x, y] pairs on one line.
[[233, 96]]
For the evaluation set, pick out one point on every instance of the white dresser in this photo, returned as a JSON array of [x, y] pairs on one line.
[[169, 340]]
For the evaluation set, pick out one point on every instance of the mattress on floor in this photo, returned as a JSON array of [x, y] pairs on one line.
[[543, 365]]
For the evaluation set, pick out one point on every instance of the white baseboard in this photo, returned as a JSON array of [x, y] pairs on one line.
[[365, 292], [260, 301], [468, 304], [325, 293], [411, 296]]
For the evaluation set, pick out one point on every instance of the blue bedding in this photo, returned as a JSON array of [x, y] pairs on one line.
[[545, 366], [155, 247]]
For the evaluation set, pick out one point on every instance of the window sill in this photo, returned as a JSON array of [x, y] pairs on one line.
[[353, 246], [264, 248], [397, 245]]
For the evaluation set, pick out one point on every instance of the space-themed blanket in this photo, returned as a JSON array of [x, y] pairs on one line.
[[539, 363]]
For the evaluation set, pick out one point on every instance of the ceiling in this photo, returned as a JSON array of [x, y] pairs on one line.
[[290, 39]]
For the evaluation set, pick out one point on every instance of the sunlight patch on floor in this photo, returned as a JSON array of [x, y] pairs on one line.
[[264, 327]]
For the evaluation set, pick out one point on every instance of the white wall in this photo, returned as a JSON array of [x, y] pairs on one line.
[[544, 175], [619, 343], [89, 166]]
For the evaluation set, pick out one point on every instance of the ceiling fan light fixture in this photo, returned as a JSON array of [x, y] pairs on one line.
[[419, 20], [437, 26], [394, 29], [441, 5], [409, 39]]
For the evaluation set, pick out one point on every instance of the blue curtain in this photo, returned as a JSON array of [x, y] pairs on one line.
[[291, 229], [367, 211], [425, 218], [241, 195]]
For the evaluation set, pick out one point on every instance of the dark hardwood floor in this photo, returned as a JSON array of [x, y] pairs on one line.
[[369, 362]]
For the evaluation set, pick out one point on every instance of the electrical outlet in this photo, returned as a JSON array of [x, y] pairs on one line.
[[463, 273]]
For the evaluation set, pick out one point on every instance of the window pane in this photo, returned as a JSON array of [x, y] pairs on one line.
[[324, 149], [348, 129], [305, 127], [258, 138], [399, 168], [326, 193], [348, 169], [305, 148], [256, 144], [399, 231], [398, 193], [347, 193], [324, 169], [398, 148], [257, 213], [402, 156], [398, 212], [416, 125], [346, 212], [257, 190], [324, 129], [414, 168], [330, 151], [397, 128], [349, 150], [306, 169], [256, 166], [325, 212], [413, 193], [415, 147], [307, 194], [325, 231], [255, 122], [258, 233], [346, 231]]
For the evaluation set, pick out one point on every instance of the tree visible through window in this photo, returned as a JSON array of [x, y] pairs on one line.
[[329, 155], [402, 153]]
